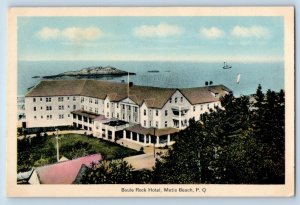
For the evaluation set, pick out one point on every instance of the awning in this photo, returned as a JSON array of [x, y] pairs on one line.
[[152, 131], [85, 114]]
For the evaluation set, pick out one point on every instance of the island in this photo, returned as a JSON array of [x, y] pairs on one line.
[[92, 72]]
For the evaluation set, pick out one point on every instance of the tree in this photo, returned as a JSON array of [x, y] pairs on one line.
[[109, 172], [241, 143]]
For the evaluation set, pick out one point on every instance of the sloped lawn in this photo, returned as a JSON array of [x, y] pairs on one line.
[[40, 151]]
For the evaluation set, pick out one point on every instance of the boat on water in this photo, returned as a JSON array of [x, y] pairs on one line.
[[153, 71], [238, 77], [226, 66]]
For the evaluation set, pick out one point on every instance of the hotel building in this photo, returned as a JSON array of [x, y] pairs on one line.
[[111, 110]]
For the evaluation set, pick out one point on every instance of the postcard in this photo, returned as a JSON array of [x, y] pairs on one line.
[[150, 102]]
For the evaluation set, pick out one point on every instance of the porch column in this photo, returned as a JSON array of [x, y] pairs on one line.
[[169, 139], [145, 138], [137, 137], [124, 134], [100, 131], [149, 139], [113, 134], [157, 140], [130, 135], [106, 133]]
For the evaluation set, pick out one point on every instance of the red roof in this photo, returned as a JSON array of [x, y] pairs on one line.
[[65, 172]]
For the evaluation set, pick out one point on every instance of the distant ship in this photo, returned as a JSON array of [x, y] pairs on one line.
[[153, 71], [226, 66], [238, 77]]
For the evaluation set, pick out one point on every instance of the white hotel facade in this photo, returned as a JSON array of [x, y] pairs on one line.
[[110, 110]]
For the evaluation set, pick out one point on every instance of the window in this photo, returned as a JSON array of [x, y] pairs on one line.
[[41, 99], [33, 99], [96, 101], [208, 106], [166, 112], [68, 106], [61, 116], [123, 107], [41, 108], [90, 109], [74, 107], [96, 110], [170, 100], [156, 124], [166, 123], [68, 98], [49, 117], [82, 99], [123, 116], [107, 105], [107, 114], [68, 115], [156, 112], [150, 123], [60, 99], [175, 100], [145, 123], [117, 105], [34, 108], [145, 112], [201, 107], [90, 100], [194, 108], [35, 117], [41, 116], [48, 99], [181, 99], [48, 107], [74, 98], [135, 109], [61, 107], [117, 115]]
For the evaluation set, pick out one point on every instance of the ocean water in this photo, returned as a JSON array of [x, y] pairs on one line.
[[170, 75]]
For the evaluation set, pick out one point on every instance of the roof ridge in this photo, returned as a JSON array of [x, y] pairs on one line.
[[82, 88]]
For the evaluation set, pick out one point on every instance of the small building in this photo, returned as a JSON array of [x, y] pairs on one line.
[[63, 172]]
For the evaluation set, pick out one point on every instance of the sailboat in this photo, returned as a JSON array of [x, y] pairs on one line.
[[238, 77], [226, 66]]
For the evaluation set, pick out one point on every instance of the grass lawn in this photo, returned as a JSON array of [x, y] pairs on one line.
[[40, 151]]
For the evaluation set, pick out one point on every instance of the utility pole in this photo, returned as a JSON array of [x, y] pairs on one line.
[[154, 143], [57, 147]]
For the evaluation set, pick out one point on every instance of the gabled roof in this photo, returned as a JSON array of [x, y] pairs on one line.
[[57, 88], [65, 172], [153, 97]]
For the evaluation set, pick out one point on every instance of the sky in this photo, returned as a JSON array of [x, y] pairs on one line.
[[199, 38]]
